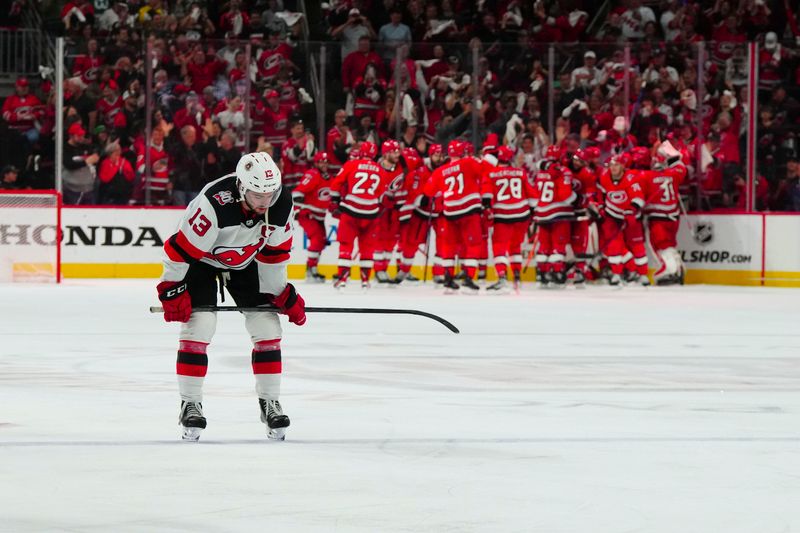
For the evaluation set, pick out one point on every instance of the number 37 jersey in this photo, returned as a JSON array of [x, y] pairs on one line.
[[359, 187], [217, 231]]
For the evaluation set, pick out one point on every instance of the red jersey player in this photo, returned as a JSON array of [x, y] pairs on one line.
[[312, 197], [297, 152], [553, 199], [619, 205], [459, 183], [415, 221], [357, 192], [662, 209], [585, 186], [508, 193], [389, 221]]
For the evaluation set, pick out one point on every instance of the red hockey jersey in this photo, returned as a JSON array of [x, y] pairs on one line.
[[413, 185], [21, 112], [459, 182], [510, 193], [584, 184], [553, 195], [313, 194], [661, 195], [621, 198], [359, 188], [296, 159]]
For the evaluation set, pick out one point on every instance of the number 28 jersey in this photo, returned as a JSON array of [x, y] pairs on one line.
[[460, 184], [510, 192], [359, 187]]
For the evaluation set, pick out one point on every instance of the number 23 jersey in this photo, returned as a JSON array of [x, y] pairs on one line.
[[359, 187], [216, 230]]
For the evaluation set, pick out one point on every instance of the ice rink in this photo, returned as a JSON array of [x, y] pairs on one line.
[[670, 410]]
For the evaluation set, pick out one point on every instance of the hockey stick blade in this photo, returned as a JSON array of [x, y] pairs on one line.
[[356, 310]]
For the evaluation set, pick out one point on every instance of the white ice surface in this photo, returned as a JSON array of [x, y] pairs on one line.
[[660, 410]]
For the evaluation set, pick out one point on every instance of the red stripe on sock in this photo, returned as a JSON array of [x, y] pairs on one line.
[[192, 346], [197, 371], [267, 368], [268, 346]]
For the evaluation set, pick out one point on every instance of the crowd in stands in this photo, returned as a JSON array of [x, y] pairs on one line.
[[419, 71]]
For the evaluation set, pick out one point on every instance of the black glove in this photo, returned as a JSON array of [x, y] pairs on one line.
[[424, 201], [486, 202]]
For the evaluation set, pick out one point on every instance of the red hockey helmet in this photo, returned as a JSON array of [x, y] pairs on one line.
[[368, 150], [321, 157], [413, 160], [468, 148], [390, 145], [435, 149], [455, 148], [490, 144], [505, 154], [355, 153], [620, 159], [581, 156], [640, 156], [592, 153], [553, 152]]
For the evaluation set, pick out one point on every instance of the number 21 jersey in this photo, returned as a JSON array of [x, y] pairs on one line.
[[460, 184]]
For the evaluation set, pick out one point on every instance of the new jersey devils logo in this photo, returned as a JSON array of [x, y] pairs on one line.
[[237, 256]]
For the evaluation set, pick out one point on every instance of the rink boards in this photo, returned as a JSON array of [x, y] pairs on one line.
[[738, 249]]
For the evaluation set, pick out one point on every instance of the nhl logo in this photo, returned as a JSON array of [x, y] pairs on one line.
[[704, 232], [249, 223]]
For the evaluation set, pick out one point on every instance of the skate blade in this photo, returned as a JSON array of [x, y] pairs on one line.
[[276, 433], [190, 434]]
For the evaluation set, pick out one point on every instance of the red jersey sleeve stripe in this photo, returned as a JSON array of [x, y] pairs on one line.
[[183, 243]]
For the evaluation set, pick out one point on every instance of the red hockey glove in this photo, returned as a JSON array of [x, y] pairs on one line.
[[292, 305], [333, 207], [175, 298]]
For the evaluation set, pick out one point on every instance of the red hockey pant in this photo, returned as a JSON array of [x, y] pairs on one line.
[[388, 223], [315, 231], [461, 237], [553, 239], [580, 242], [350, 229], [413, 233], [621, 236], [506, 243], [663, 233]]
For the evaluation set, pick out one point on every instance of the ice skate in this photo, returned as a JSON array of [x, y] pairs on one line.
[[544, 280], [411, 278], [468, 283], [313, 276], [382, 277], [450, 285], [558, 279], [340, 283], [579, 280], [272, 415], [499, 287], [644, 281], [517, 282], [615, 280], [191, 420]]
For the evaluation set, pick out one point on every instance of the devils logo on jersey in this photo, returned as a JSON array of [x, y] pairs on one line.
[[224, 197], [236, 256]]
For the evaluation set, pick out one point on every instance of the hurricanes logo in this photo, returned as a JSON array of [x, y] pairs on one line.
[[237, 256], [617, 197], [324, 194]]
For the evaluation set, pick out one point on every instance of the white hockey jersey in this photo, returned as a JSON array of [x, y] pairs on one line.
[[216, 230]]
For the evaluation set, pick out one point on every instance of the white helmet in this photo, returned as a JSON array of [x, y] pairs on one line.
[[257, 172]]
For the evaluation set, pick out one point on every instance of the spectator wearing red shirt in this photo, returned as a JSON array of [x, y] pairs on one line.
[[356, 63], [21, 110], [116, 177], [87, 65], [234, 20], [726, 36], [276, 120], [193, 114], [338, 141], [273, 57], [201, 71]]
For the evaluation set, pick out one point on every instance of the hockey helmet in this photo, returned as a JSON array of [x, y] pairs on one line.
[[455, 148], [505, 154], [592, 153], [355, 153], [390, 145], [553, 152], [257, 172], [435, 149], [641, 157], [468, 149], [321, 157], [368, 150], [412, 158], [580, 155]]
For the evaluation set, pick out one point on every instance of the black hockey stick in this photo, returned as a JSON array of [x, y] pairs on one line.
[[358, 310]]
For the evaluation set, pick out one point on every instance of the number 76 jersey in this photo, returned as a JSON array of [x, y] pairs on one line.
[[359, 187]]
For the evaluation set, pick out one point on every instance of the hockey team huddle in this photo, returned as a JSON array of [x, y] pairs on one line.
[[474, 203]]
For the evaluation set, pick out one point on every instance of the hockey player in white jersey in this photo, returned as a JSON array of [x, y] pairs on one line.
[[238, 233]]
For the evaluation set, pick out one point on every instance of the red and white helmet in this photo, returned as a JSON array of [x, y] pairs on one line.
[[355, 153], [368, 150], [413, 160], [455, 148], [321, 157], [592, 153], [390, 145], [620, 159], [257, 172], [553, 152], [435, 149], [505, 154], [468, 149]]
